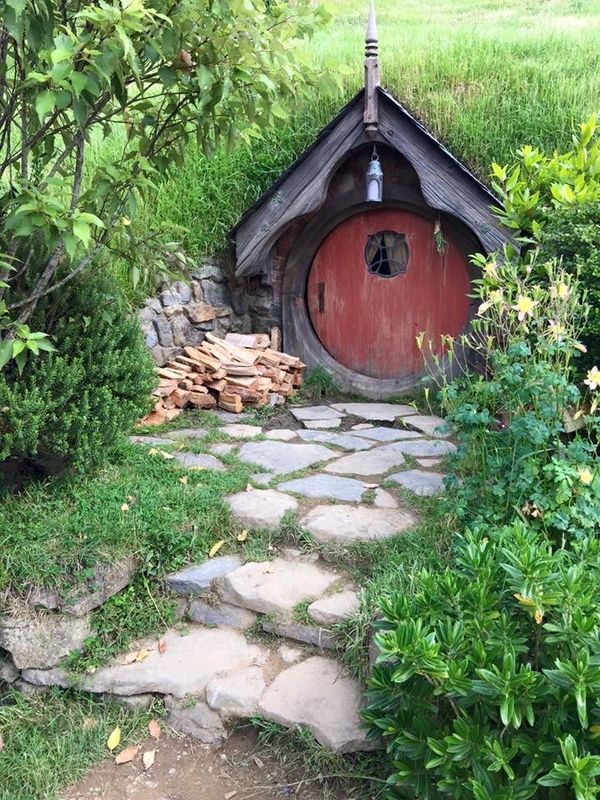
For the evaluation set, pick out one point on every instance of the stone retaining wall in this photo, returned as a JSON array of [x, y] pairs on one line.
[[182, 312]]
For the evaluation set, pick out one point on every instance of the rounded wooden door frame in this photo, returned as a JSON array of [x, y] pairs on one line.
[[298, 332]]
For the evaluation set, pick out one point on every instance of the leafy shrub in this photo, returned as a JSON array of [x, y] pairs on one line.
[[488, 680], [487, 685], [552, 202], [573, 235], [71, 404]]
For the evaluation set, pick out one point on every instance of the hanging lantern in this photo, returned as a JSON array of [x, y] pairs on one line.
[[374, 179]]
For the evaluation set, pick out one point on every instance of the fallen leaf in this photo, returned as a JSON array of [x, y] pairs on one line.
[[241, 537], [142, 654], [124, 507], [1, 742], [166, 455], [130, 658], [154, 729], [114, 739], [215, 548], [148, 758], [153, 451], [229, 795], [249, 488], [127, 755], [183, 479], [258, 762], [162, 646]]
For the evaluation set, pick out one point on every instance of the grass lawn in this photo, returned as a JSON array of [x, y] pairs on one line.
[[486, 76]]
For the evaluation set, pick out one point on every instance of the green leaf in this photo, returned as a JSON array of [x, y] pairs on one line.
[[44, 104], [81, 230], [5, 353], [21, 360]]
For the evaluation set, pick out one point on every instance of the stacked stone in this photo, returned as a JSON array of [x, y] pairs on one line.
[[184, 311]]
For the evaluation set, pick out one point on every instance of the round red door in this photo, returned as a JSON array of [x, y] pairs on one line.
[[376, 282]]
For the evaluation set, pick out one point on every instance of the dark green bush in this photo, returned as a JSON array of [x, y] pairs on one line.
[[487, 686], [69, 406], [573, 235]]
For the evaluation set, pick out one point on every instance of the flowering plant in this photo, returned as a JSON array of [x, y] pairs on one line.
[[513, 402]]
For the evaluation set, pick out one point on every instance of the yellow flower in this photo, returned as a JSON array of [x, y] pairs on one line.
[[525, 306], [556, 330], [560, 290], [491, 269], [592, 379], [585, 475]]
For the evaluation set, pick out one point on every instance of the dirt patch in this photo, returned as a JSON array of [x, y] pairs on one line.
[[186, 770]]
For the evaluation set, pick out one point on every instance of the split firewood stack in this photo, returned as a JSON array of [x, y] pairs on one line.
[[231, 373]]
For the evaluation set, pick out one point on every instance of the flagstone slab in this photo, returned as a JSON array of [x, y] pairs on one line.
[[429, 462], [342, 523], [198, 461], [315, 412], [372, 462], [387, 434], [362, 426], [222, 615], [262, 478], [384, 499], [238, 430], [222, 449], [335, 608], [195, 719], [281, 457], [344, 440], [152, 441], [237, 694], [325, 424], [189, 433], [281, 434], [375, 411], [419, 482], [186, 665], [329, 486], [275, 587], [425, 447], [197, 578], [320, 695], [261, 508], [323, 638], [429, 424]]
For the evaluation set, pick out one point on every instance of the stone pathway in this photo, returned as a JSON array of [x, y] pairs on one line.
[[344, 486]]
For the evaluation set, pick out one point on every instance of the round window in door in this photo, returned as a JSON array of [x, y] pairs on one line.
[[386, 254], [376, 282]]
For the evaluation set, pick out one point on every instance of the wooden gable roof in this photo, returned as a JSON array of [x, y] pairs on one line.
[[447, 185]]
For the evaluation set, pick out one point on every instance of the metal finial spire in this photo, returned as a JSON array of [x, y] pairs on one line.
[[371, 112]]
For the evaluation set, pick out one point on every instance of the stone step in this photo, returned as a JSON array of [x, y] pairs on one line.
[[320, 695], [342, 523], [211, 676], [276, 587]]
